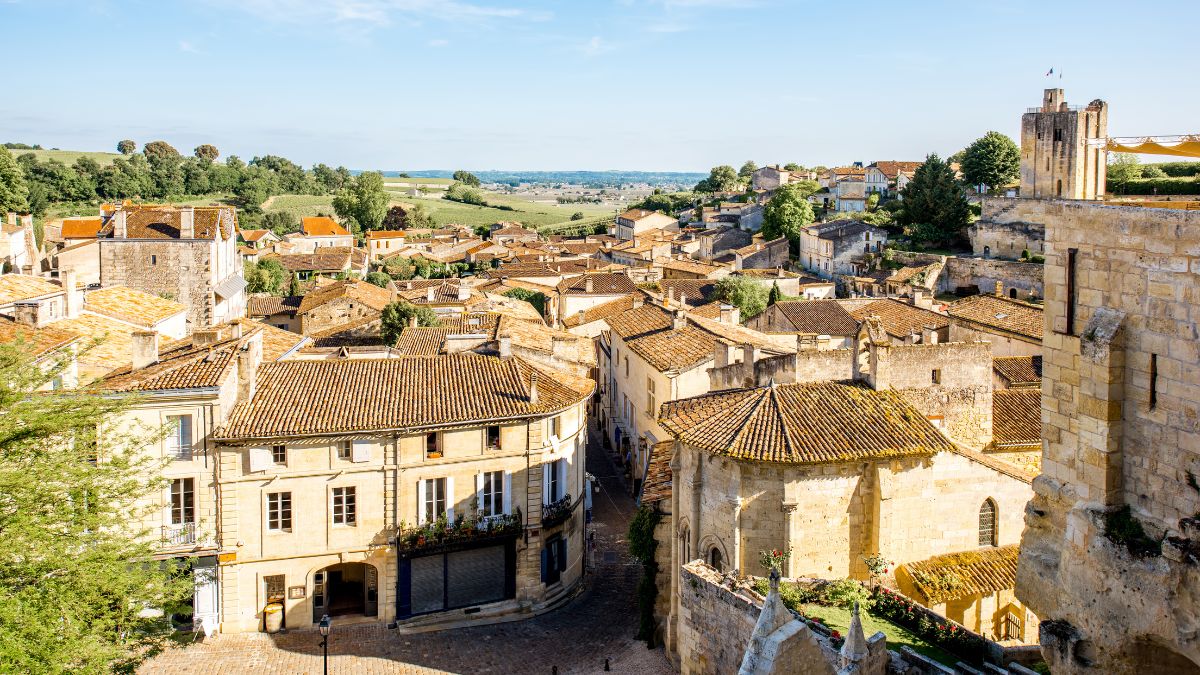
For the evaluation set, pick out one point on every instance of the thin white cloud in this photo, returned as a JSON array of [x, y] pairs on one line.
[[597, 46], [378, 13], [186, 46], [438, 43]]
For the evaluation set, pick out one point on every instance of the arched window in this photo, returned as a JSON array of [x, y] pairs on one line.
[[1012, 293], [1059, 187], [715, 560], [987, 523], [685, 544]]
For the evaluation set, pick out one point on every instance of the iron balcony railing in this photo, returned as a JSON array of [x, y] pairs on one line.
[[179, 535]]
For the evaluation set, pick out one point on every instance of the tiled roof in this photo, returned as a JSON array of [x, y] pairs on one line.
[[444, 293], [688, 265], [774, 273], [538, 337], [425, 340], [321, 226], [18, 287], [956, 575], [367, 293], [901, 319], [601, 311], [276, 341], [603, 283], [811, 423], [267, 305], [823, 317], [361, 331], [696, 290], [1017, 417], [756, 246], [328, 259], [134, 306], [512, 230], [1019, 370], [839, 229], [296, 398], [109, 341], [637, 214], [993, 311], [657, 485], [385, 234], [81, 228], [181, 365], [905, 274], [253, 235], [161, 221], [893, 169], [38, 341], [649, 331]]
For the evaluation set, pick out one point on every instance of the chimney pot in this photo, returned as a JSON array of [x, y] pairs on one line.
[[505, 346], [679, 320], [429, 292], [187, 222], [587, 285], [145, 349], [29, 314], [72, 293], [999, 289], [120, 219], [204, 338], [533, 388]]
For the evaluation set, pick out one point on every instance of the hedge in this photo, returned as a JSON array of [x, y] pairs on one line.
[[1160, 186]]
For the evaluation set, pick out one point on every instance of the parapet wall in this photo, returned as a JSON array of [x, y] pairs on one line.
[[984, 273]]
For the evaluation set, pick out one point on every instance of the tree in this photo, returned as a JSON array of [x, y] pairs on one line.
[[418, 217], [578, 215], [460, 192], [792, 166], [747, 170], [1123, 168], [364, 201], [720, 179], [775, 295], [159, 150], [1152, 171], [75, 575], [380, 279], [14, 192], [934, 198], [399, 268], [127, 147], [786, 214], [993, 160], [396, 317], [265, 276], [280, 222], [467, 178], [482, 231], [535, 298], [744, 293], [294, 287], [207, 153]]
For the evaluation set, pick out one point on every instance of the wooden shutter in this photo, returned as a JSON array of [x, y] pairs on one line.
[[261, 459], [360, 451], [507, 493], [420, 502], [185, 436], [479, 506], [546, 483], [450, 499]]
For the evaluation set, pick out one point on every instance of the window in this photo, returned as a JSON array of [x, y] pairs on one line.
[[344, 506], [344, 449], [685, 544], [554, 559], [274, 587], [555, 427], [715, 559], [153, 260], [1010, 627], [279, 454], [491, 494], [435, 499], [626, 365], [1153, 381], [279, 511], [556, 475], [1058, 135], [1072, 259], [650, 403], [936, 376], [1012, 293], [179, 443], [433, 448], [1058, 188], [492, 437], [987, 523], [183, 501]]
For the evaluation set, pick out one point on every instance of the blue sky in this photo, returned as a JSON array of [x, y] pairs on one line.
[[580, 84]]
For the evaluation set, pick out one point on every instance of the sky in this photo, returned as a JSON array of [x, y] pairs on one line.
[[666, 85]]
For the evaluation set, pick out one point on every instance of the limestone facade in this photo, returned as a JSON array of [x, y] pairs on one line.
[[1056, 159], [1121, 448]]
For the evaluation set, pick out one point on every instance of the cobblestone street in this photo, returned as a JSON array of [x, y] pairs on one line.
[[600, 623]]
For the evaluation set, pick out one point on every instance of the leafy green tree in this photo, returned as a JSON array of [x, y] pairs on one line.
[[786, 214], [775, 295], [399, 268], [294, 287], [207, 153], [76, 570], [482, 231], [747, 170], [666, 202], [266, 276], [748, 296], [460, 192], [364, 201], [39, 201], [535, 298], [1123, 168], [127, 147], [396, 317], [158, 150], [467, 178], [14, 192], [720, 179], [379, 279], [578, 215], [280, 222], [1152, 171], [993, 160], [328, 179], [934, 198], [418, 217], [792, 166]]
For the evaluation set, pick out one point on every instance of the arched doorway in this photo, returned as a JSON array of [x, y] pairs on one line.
[[346, 589]]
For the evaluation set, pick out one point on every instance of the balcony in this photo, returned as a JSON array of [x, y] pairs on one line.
[[464, 533], [179, 535], [556, 512]]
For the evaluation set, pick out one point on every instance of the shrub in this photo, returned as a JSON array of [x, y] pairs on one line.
[[845, 592], [1123, 529]]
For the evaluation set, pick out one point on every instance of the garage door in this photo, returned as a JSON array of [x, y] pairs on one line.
[[456, 579]]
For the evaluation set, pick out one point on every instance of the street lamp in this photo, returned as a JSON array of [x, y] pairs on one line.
[[324, 626]]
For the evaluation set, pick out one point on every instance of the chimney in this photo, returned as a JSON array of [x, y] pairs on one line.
[[748, 353], [119, 224], [206, 337], [587, 284], [187, 222], [74, 298], [28, 314], [779, 271], [730, 314], [249, 356], [235, 329], [464, 289], [929, 335], [683, 301], [429, 293], [670, 295], [638, 300], [505, 346], [533, 388], [920, 298], [678, 320], [145, 349], [722, 354], [560, 347], [412, 321], [11, 218], [999, 289]]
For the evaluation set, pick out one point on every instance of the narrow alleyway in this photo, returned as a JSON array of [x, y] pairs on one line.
[[599, 623]]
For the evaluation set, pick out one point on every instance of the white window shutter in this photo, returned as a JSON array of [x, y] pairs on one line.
[[562, 477], [167, 503], [479, 505], [420, 502], [507, 493], [450, 499], [360, 451], [546, 483], [185, 435], [260, 459]]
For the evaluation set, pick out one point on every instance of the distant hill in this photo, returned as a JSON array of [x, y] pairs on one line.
[[68, 157], [591, 179]]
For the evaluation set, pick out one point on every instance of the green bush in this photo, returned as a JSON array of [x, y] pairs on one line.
[[1156, 186], [845, 592], [1123, 529]]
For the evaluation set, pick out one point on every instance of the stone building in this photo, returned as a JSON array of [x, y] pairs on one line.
[[826, 319], [18, 247], [1109, 557], [1013, 327], [1057, 160], [392, 505], [583, 292], [839, 247], [184, 253], [340, 303], [762, 255], [636, 222], [1004, 229], [318, 232]]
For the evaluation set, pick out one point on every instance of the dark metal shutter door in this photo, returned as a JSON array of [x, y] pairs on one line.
[[428, 582], [477, 576]]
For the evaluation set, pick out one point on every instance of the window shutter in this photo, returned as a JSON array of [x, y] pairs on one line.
[[450, 499], [545, 564], [562, 554], [420, 502], [546, 483], [167, 503], [479, 506], [562, 478], [507, 493], [360, 451], [185, 435], [260, 459]]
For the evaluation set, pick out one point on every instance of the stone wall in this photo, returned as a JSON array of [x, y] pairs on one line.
[[960, 401], [768, 255], [983, 273], [179, 270]]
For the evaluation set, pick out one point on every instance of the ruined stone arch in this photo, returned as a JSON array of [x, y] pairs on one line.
[[710, 545]]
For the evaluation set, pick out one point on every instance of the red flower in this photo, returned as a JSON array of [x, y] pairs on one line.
[[836, 635], [885, 570]]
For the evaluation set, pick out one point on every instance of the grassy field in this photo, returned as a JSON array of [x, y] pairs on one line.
[[410, 182], [68, 157], [445, 211], [838, 619]]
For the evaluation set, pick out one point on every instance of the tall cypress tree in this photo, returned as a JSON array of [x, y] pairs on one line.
[[934, 207]]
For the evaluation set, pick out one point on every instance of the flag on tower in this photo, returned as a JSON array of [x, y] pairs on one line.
[[1049, 72]]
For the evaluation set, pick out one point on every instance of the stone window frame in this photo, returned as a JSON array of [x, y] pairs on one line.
[[988, 519]]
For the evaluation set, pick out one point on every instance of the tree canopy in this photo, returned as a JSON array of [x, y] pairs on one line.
[[207, 152], [76, 571], [14, 193], [747, 295], [127, 147], [467, 178], [535, 298], [159, 150], [1122, 168], [364, 201], [786, 214], [747, 170], [993, 160], [265, 276], [396, 317], [934, 206], [720, 179]]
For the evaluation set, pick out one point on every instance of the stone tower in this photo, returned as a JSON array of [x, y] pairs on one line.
[[1056, 161]]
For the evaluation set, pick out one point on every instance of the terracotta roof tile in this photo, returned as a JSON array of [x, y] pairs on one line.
[[649, 331], [811, 423], [601, 311], [1005, 314], [267, 305], [329, 259], [18, 287], [355, 289], [1017, 418], [823, 317], [602, 283], [38, 341], [134, 306], [955, 575], [253, 235], [901, 319], [1019, 371], [689, 266], [162, 221], [696, 290], [385, 234], [81, 228], [296, 398], [321, 226], [893, 169], [657, 485]]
